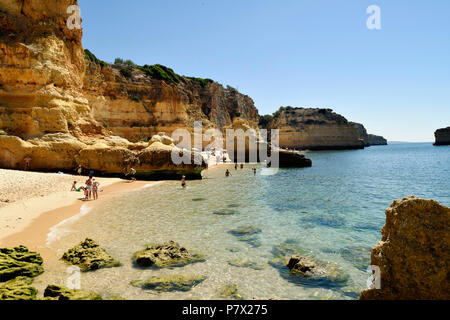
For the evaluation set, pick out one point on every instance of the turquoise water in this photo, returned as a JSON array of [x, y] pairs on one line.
[[333, 212]]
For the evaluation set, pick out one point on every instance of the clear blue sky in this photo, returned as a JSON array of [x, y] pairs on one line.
[[396, 81]]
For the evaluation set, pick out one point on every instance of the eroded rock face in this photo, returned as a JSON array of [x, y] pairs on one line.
[[19, 262], [166, 255], [315, 129], [292, 159], [169, 283], [54, 292], [442, 137], [18, 289], [89, 256], [414, 253], [369, 139], [377, 140]]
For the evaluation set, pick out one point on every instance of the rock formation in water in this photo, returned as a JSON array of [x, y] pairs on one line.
[[314, 129], [369, 139], [89, 256], [442, 137], [63, 107], [54, 292], [169, 283], [166, 255], [414, 253], [377, 140]]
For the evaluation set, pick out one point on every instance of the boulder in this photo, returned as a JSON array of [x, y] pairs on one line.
[[292, 159], [169, 283], [413, 256], [89, 256], [54, 292], [316, 272], [19, 262], [18, 289], [166, 255], [306, 266]]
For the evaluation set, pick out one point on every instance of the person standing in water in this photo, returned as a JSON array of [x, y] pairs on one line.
[[236, 166], [183, 182], [227, 173], [254, 171]]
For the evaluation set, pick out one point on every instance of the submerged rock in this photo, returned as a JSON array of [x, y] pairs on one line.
[[244, 263], [230, 292], [18, 289], [413, 255], [54, 292], [169, 283], [245, 230], [169, 254], [225, 213], [306, 266], [89, 256], [19, 262]]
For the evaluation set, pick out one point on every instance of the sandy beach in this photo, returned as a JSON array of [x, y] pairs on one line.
[[32, 203]]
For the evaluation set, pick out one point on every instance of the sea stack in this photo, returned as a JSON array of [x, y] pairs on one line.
[[442, 137], [369, 139], [314, 129], [413, 256]]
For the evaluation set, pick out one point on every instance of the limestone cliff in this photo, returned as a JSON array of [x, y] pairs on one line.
[[414, 253], [62, 107], [377, 140], [442, 137], [135, 105], [369, 139], [314, 129]]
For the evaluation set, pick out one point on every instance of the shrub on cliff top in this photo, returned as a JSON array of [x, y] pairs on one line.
[[91, 57], [201, 81], [161, 72]]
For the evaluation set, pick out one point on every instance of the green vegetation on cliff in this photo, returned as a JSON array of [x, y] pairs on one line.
[[91, 57]]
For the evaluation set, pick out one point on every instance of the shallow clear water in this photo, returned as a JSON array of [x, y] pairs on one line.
[[333, 211]]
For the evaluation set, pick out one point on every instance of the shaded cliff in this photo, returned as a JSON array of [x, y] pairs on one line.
[[442, 137], [369, 139], [313, 129], [414, 253]]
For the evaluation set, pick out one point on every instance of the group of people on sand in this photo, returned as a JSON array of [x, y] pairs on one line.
[[90, 189]]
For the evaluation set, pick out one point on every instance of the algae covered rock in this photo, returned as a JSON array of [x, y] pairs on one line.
[[169, 283], [54, 292], [316, 271], [169, 254], [88, 256], [19, 262], [230, 291], [18, 289]]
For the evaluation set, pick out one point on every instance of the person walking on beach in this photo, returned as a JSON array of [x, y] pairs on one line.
[[133, 173], [74, 186], [183, 182], [80, 170], [27, 161], [89, 184], [95, 185]]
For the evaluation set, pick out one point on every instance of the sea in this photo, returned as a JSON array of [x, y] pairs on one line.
[[332, 212]]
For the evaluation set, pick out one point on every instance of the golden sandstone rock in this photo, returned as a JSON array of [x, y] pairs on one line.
[[63, 109], [414, 253]]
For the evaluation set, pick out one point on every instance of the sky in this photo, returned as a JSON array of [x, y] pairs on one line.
[[300, 53]]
